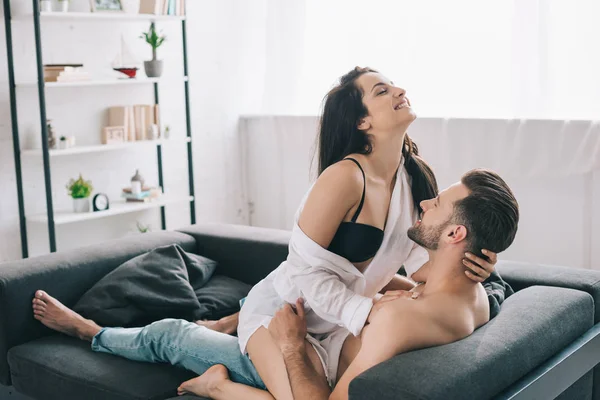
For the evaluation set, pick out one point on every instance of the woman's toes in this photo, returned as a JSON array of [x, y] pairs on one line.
[[39, 294]]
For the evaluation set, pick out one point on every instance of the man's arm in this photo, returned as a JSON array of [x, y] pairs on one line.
[[305, 382], [288, 329]]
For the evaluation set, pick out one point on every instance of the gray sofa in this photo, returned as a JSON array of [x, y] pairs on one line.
[[543, 344]]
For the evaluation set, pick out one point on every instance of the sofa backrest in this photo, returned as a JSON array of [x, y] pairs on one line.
[[67, 276], [521, 275], [243, 252]]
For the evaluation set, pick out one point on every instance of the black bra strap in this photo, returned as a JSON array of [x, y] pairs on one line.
[[362, 200]]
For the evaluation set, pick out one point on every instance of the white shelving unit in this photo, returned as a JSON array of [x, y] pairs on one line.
[[104, 147], [98, 82], [97, 16], [117, 207]]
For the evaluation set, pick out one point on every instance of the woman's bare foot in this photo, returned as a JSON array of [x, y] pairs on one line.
[[206, 384], [226, 325], [55, 315]]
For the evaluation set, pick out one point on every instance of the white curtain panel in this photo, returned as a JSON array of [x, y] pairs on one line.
[[552, 166], [461, 58]]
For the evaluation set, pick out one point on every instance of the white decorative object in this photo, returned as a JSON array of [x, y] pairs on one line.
[[81, 205], [136, 187], [153, 132], [62, 143], [113, 135], [70, 142], [64, 5], [46, 5], [106, 5], [131, 6]]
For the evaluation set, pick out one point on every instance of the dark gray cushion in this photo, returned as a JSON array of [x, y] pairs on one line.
[[221, 297], [153, 286], [63, 368], [534, 324], [244, 253], [67, 275]]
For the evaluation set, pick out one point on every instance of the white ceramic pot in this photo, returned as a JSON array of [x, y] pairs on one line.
[[64, 5], [46, 5], [131, 6], [81, 205]]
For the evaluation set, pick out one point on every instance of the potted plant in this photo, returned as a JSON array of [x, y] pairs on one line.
[[153, 67], [80, 191]]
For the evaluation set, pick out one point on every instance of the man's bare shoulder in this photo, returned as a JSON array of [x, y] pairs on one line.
[[426, 322]]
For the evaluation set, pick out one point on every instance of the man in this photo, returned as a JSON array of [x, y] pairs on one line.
[[478, 212]]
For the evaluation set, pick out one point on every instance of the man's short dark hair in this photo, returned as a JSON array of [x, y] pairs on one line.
[[490, 212]]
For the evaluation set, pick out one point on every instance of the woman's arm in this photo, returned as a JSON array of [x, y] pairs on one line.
[[398, 282], [335, 193]]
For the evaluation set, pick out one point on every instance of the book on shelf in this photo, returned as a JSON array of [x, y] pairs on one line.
[[65, 73], [162, 7], [140, 122], [137, 120], [146, 195], [119, 116]]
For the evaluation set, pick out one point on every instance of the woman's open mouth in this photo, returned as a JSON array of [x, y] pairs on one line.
[[402, 105]]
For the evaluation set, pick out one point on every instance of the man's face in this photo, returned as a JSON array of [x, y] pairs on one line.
[[437, 217]]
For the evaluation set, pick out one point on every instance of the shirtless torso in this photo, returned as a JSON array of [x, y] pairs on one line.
[[406, 324]]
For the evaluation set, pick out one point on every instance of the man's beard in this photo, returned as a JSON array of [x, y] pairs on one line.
[[427, 237]]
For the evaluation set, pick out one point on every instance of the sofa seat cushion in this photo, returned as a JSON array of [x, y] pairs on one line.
[[533, 325], [60, 367]]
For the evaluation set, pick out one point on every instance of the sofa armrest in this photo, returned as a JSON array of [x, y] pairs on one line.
[[533, 325], [67, 276], [521, 275], [243, 252]]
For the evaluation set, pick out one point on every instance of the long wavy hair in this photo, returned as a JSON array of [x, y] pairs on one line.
[[339, 136]]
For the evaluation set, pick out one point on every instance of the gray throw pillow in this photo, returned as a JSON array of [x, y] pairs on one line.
[[221, 297], [155, 285]]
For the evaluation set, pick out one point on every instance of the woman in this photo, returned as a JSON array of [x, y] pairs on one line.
[[348, 242], [349, 237]]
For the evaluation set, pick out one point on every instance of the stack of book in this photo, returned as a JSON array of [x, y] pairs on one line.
[[137, 120], [65, 73], [162, 7], [147, 195]]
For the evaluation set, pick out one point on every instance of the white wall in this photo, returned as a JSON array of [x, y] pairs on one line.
[[227, 46], [552, 166]]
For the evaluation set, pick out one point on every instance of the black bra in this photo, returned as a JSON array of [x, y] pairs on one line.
[[354, 241]]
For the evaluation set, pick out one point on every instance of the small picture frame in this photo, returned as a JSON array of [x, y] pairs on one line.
[[106, 6], [113, 135]]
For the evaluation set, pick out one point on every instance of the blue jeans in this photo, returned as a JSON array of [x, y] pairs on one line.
[[179, 343]]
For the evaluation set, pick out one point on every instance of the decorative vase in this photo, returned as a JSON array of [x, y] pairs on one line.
[[46, 5], [64, 5], [138, 178], [81, 205], [153, 68]]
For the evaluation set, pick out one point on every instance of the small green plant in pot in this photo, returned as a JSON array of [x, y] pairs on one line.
[[80, 190], [154, 67]]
